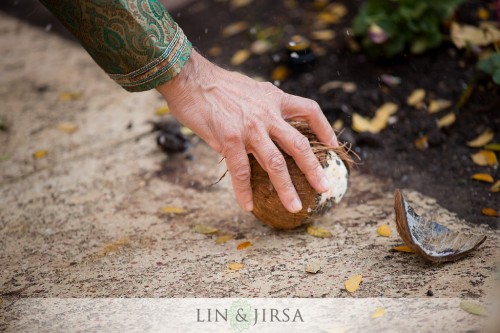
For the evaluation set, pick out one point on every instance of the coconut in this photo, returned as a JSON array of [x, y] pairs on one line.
[[267, 205]]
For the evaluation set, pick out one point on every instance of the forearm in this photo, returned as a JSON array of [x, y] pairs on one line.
[[136, 42]]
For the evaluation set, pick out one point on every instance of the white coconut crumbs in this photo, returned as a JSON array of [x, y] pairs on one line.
[[337, 175]]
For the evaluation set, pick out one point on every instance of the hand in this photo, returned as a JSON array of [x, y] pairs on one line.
[[236, 116]]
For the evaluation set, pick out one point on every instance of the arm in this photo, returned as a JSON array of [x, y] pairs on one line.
[[141, 47]]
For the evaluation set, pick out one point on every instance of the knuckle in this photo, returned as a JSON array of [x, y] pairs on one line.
[[242, 173], [232, 137], [301, 143], [313, 107], [277, 162]]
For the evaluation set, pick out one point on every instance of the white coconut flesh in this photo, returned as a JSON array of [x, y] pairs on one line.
[[337, 175]]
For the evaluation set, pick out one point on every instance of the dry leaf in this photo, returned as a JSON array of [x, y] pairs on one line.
[[490, 212], [352, 284], [463, 35], [360, 123], [382, 115], [240, 57], [172, 210], [348, 87], [422, 143], [234, 29], [235, 266], [323, 35], [493, 146], [495, 188], [162, 110], [439, 105], [205, 229], [483, 177], [483, 14], [244, 245], [473, 308], [67, 127], [70, 96], [224, 238], [259, 47], [338, 125], [483, 139], [416, 97], [318, 232], [403, 248], [40, 154], [186, 131], [384, 230], [240, 3], [313, 267], [280, 73], [447, 120], [214, 51], [485, 158], [379, 312]]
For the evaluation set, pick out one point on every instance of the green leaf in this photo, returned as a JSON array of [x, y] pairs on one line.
[[493, 146], [473, 308]]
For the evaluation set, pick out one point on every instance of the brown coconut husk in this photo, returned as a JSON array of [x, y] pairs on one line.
[[267, 205]]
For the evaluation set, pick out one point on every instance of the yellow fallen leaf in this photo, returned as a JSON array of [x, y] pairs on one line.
[[384, 230], [473, 308], [240, 3], [360, 123], [439, 105], [162, 110], [348, 87], [493, 146], [463, 35], [483, 139], [40, 154], [313, 267], [224, 238], [495, 188], [483, 177], [240, 57], [214, 51], [447, 120], [402, 248], [244, 245], [186, 131], [416, 97], [205, 229], [352, 284], [234, 28], [318, 232], [422, 143], [485, 158], [323, 35], [338, 125], [67, 127], [280, 73], [259, 47], [70, 96], [483, 14], [235, 266], [379, 312], [382, 115], [333, 13], [490, 212], [172, 210]]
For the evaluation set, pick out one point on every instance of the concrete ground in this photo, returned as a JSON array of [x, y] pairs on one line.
[[86, 220]]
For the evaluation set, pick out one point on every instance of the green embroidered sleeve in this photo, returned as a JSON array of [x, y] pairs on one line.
[[135, 41]]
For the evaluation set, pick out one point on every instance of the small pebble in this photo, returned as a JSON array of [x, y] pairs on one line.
[[430, 293]]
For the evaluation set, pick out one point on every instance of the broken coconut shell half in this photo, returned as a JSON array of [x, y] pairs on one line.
[[267, 205], [430, 240]]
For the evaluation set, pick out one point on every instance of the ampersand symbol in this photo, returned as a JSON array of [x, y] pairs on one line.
[[241, 316]]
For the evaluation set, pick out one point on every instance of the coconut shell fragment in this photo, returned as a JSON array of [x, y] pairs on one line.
[[267, 205], [430, 240]]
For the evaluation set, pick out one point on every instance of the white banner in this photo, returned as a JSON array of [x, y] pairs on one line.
[[241, 315]]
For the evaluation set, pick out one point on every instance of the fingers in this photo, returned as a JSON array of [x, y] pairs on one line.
[[239, 169], [297, 145], [273, 162], [299, 108]]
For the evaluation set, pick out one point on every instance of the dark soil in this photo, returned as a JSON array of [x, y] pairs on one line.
[[442, 171]]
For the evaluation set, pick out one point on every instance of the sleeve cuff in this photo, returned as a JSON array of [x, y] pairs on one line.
[[161, 69]]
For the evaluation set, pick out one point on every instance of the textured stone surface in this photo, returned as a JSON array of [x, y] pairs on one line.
[[85, 220]]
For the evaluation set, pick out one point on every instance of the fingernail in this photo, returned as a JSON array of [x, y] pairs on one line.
[[249, 206], [324, 184], [334, 142], [296, 206]]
